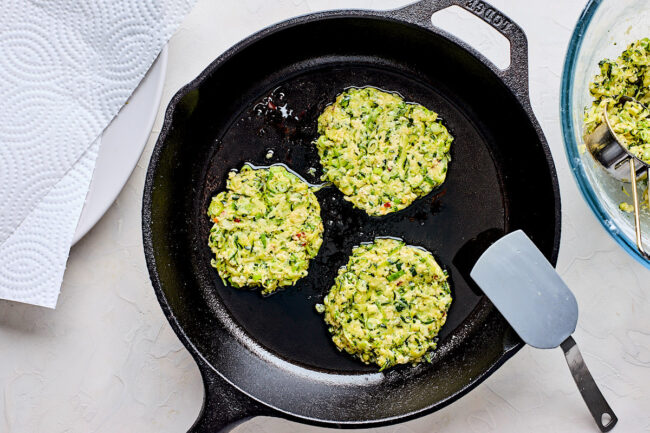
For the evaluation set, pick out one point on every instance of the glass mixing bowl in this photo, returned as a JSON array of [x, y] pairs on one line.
[[605, 28]]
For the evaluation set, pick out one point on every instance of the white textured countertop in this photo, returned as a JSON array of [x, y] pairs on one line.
[[106, 359]]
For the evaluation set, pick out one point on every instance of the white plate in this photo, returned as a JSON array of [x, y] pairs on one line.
[[121, 145]]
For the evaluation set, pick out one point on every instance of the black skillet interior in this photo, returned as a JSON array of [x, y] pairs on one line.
[[284, 121], [266, 95]]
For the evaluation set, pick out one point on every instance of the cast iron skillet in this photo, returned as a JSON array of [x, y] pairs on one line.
[[273, 356]]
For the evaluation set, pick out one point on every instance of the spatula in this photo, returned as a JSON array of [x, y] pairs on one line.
[[532, 297]]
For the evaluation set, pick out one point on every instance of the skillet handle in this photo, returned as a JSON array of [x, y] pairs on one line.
[[516, 75], [224, 407]]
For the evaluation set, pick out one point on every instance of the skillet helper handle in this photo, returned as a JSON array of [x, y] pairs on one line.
[[224, 407], [598, 406], [516, 75]]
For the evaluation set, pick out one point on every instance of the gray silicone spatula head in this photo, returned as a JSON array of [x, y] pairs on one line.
[[530, 294], [527, 291]]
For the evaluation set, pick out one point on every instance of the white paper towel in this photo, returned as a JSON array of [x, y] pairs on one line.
[[33, 258], [66, 68]]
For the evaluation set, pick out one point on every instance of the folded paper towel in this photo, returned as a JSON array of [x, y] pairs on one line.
[[66, 68], [33, 258]]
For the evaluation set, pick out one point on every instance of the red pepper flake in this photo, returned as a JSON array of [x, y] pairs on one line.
[[387, 204], [271, 105], [303, 244], [237, 220], [215, 220], [400, 283]]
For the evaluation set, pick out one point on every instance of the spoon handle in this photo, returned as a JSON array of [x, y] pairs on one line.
[[600, 410]]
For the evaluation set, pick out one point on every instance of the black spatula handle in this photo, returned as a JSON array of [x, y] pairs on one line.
[[598, 406]]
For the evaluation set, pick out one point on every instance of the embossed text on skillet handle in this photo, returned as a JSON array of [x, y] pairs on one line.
[[515, 76]]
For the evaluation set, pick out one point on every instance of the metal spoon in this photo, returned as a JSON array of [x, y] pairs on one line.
[[604, 145]]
